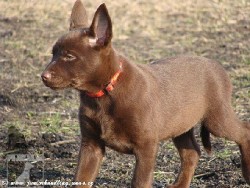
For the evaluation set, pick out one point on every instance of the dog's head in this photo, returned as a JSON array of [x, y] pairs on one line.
[[79, 56]]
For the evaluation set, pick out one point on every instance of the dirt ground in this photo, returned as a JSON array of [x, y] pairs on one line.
[[44, 122]]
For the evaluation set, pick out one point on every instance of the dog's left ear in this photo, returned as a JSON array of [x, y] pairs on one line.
[[101, 27], [78, 18]]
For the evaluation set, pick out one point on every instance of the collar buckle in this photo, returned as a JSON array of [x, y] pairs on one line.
[[109, 87]]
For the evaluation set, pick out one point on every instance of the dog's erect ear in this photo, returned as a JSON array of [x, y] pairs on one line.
[[78, 18], [101, 27]]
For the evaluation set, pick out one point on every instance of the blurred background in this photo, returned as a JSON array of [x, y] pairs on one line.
[[35, 119]]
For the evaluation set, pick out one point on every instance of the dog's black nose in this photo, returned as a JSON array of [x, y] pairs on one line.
[[46, 76]]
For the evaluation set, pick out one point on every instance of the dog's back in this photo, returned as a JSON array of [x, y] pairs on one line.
[[184, 89]]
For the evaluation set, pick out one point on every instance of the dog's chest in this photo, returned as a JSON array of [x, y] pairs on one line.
[[103, 124]]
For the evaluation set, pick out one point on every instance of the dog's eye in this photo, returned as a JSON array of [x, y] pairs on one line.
[[69, 57]]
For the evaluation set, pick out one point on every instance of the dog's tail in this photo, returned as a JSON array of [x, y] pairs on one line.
[[205, 139]]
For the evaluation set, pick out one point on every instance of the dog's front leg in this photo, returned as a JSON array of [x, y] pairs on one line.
[[145, 162], [90, 158]]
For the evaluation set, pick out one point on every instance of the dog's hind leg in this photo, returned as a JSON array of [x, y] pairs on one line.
[[222, 122], [189, 152], [205, 138], [245, 153]]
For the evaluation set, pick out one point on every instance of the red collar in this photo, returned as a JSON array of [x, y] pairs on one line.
[[109, 87]]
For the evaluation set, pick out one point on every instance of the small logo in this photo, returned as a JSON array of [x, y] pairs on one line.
[[24, 170]]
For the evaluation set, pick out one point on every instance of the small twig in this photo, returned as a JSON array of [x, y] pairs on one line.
[[4, 60], [8, 152], [212, 160], [161, 172], [63, 142], [13, 90], [204, 174], [48, 113]]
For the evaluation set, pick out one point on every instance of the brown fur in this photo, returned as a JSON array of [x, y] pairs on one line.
[[149, 103]]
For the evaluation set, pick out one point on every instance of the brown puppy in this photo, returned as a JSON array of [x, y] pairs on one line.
[[131, 107]]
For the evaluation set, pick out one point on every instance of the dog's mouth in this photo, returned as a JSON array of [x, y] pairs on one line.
[[57, 87], [56, 84]]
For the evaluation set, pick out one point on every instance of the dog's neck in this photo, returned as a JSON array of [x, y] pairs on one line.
[[107, 73], [110, 86]]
